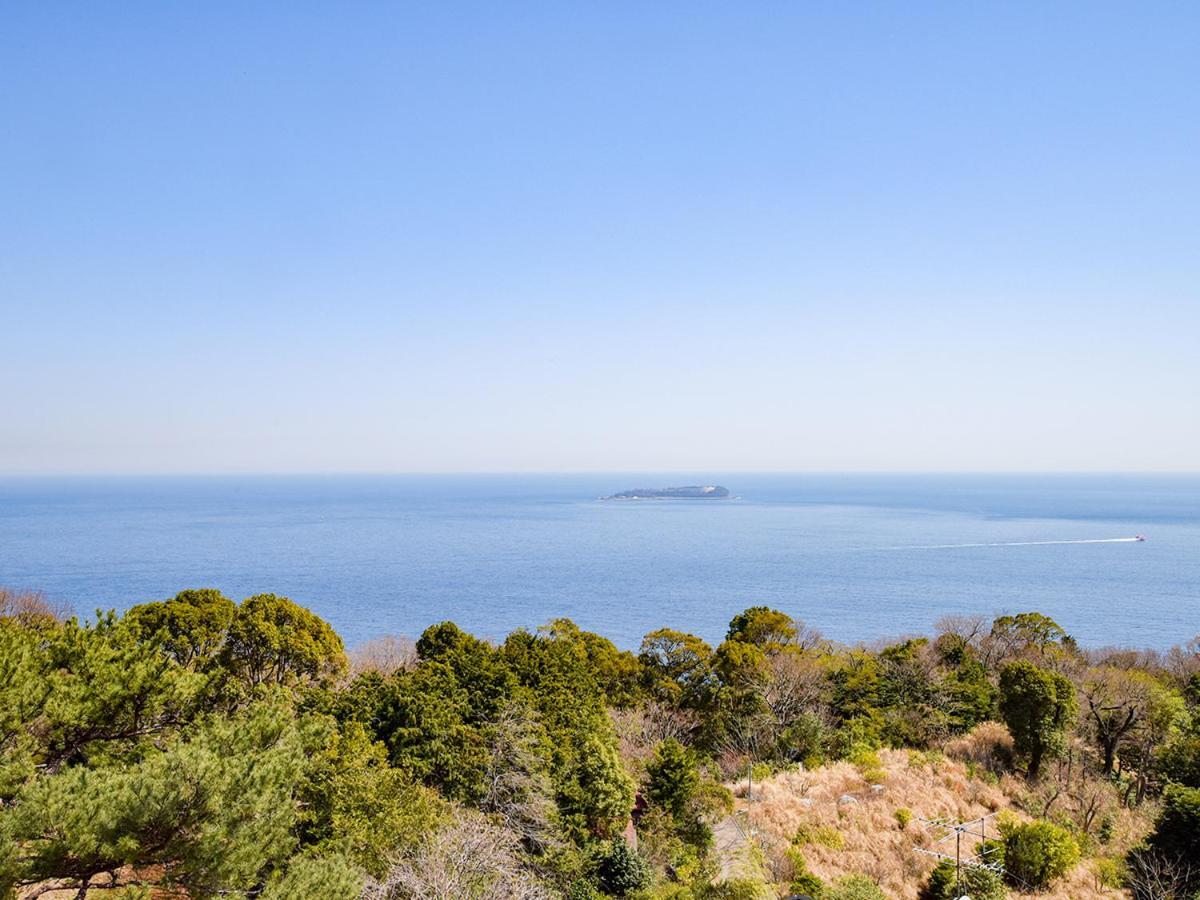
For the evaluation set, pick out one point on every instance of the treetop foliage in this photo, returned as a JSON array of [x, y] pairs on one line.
[[226, 749]]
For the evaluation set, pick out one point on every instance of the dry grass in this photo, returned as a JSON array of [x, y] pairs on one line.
[[875, 844]]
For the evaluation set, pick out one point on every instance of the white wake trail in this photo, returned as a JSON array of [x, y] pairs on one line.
[[1120, 540]]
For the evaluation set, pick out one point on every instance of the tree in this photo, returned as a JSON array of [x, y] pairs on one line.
[[1025, 634], [517, 786], [23, 693], [596, 798], [677, 668], [1179, 759], [950, 882], [192, 625], [428, 723], [620, 871], [383, 655], [766, 628], [307, 876], [31, 608], [106, 690], [1115, 701], [215, 810], [273, 640], [1038, 706], [1037, 853], [674, 779], [354, 804], [469, 859], [676, 786], [475, 667], [617, 672], [1176, 835]]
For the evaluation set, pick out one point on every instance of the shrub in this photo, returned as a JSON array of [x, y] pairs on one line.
[[804, 881], [869, 765], [1036, 853], [825, 835], [853, 887], [619, 869], [1175, 842], [987, 746], [903, 816], [1177, 833], [978, 884], [737, 889], [864, 758], [1109, 872], [332, 877]]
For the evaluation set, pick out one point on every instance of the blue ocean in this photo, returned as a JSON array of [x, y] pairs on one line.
[[859, 557]]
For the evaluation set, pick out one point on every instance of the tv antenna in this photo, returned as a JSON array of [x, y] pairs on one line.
[[946, 830]]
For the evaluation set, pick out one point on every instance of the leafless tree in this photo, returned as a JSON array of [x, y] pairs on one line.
[[971, 630], [385, 655], [31, 607], [516, 787], [471, 859], [1184, 662], [641, 729], [791, 684], [1156, 877]]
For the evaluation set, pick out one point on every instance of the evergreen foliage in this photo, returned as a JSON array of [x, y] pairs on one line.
[[1037, 853], [1038, 706], [219, 749]]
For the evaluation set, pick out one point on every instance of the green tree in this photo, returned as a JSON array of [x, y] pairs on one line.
[[620, 871], [106, 692], [766, 628], [23, 692], [428, 722], [803, 881], [675, 785], [1039, 707], [192, 625], [677, 669], [596, 797], [1116, 701], [215, 811], [275, 641], [674, 778], [328, 877], [617, 673], [947, 882], [1177, 833], [353, 803], [1037, 853], [1179, 759], [1025, 634]]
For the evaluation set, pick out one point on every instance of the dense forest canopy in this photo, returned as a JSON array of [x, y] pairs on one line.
[[211, 748]]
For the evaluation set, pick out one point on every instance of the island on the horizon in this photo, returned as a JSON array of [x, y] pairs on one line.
[[687, 492]]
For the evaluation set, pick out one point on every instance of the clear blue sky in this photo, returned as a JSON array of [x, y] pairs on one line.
[[577, 236]]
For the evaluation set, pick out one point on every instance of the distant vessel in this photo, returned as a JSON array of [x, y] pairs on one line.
[[1139, 537], [688, 492]]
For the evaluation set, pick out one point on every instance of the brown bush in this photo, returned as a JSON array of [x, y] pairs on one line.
[[31, 607], [384, 655], [988, 746]]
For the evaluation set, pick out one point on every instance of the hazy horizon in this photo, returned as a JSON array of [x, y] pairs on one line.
[[468, 238]]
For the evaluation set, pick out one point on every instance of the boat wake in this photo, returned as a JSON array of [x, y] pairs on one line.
[[1117, 540]]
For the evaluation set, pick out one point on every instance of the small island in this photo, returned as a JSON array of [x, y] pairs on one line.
[[688, 492]]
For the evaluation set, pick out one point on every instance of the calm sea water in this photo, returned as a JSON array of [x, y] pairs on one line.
[[860, 557]]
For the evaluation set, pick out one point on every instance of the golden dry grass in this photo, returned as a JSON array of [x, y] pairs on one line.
[[875, 843]]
